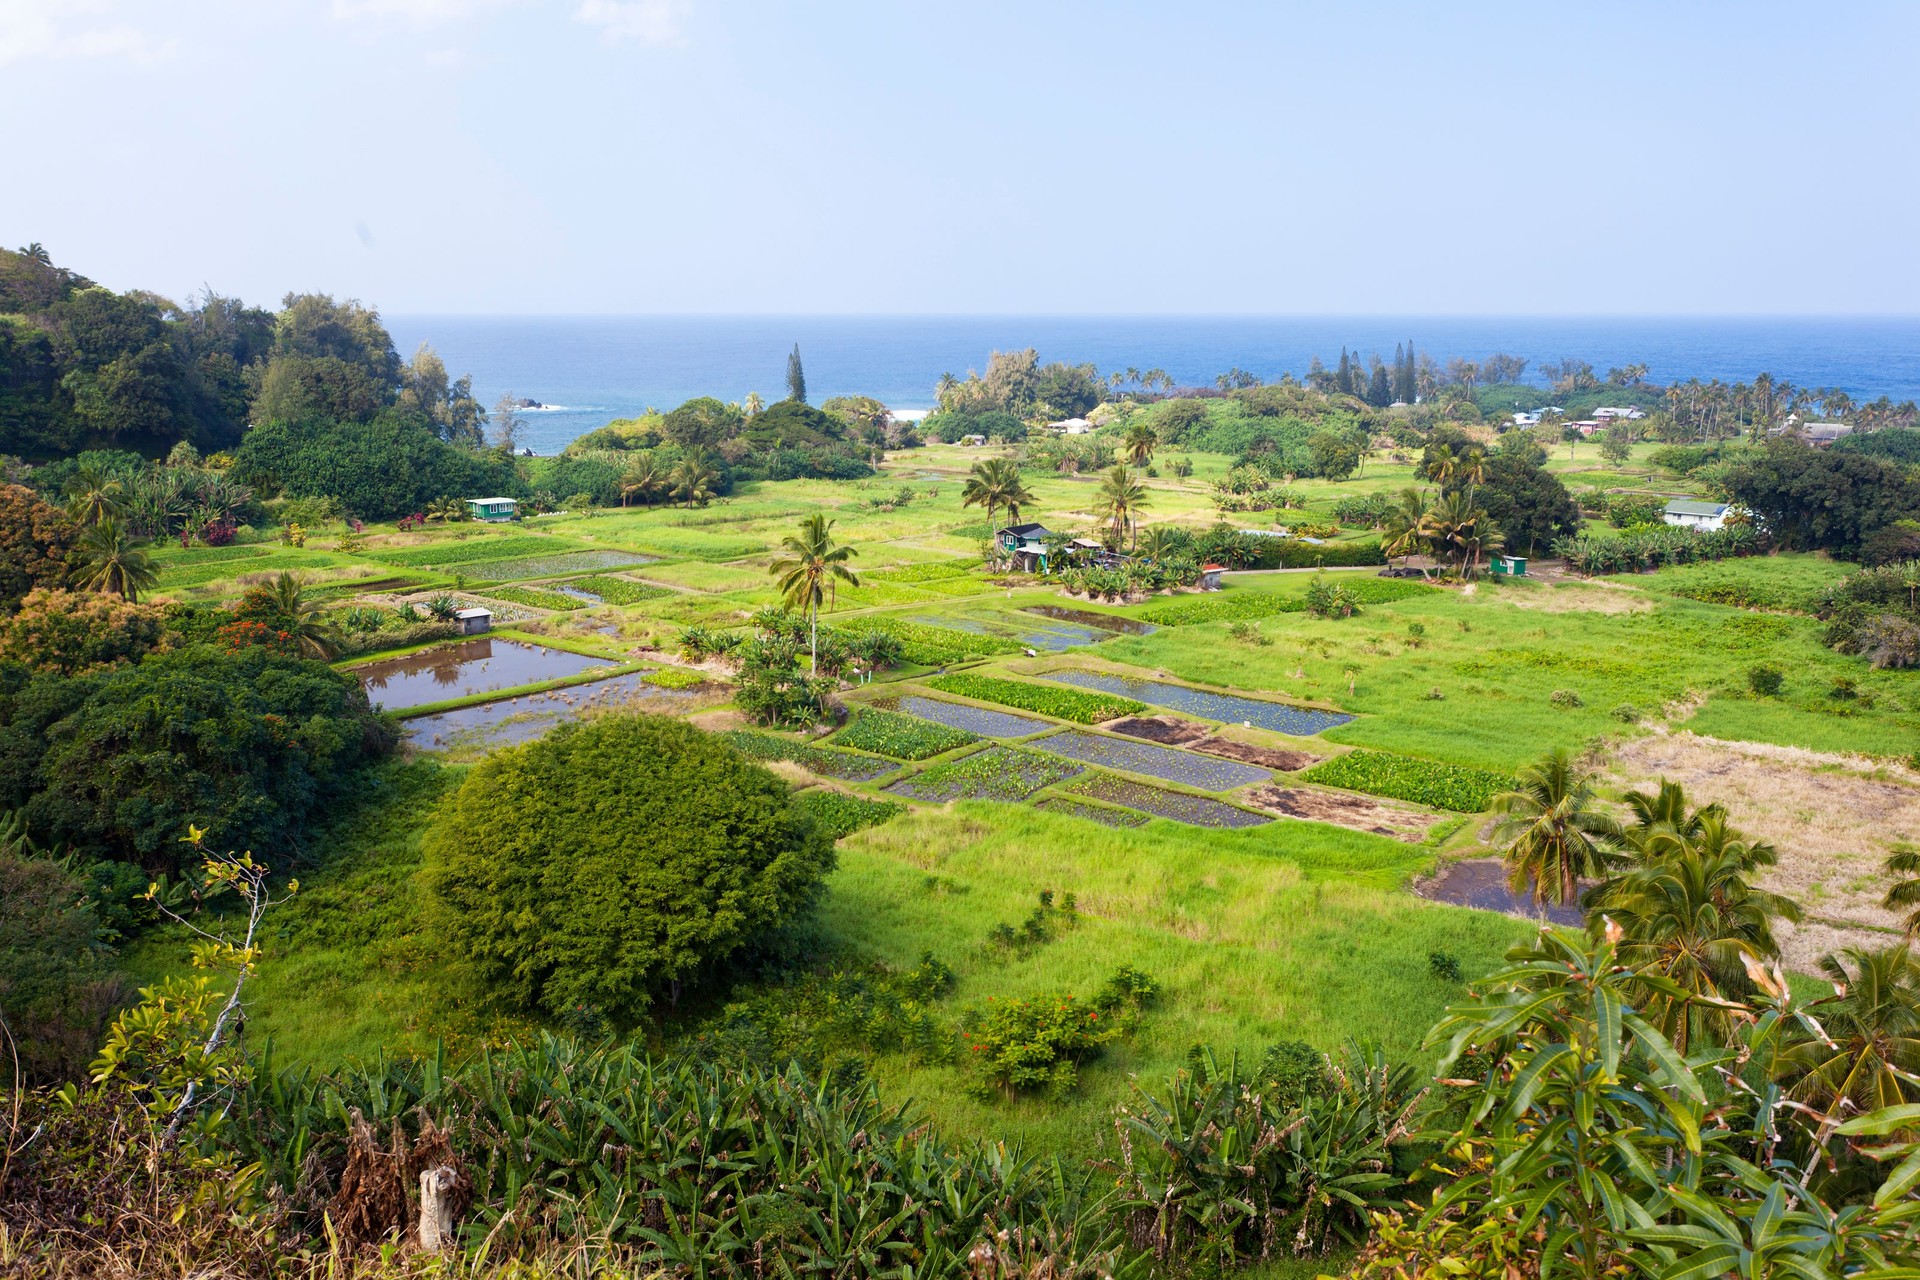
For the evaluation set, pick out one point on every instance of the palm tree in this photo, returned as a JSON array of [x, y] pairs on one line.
[[1460, 531], [1164, 541], [1872, 1048], [691, 481], [995, 483], [1140, 444], [1122, 498], [753, 404], [300, 616], [814, 568], [93, 496], [642, 479], [1905, 893], [1403, 528], [1554, 835], [1693, 919], [107, 560]]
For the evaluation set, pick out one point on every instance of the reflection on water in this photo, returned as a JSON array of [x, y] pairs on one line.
[[1046, 639], [522, 719], [1088, 618], [472, 666], [1482, 883]]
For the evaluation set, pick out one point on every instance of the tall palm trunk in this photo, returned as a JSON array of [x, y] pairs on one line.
[[813, 642]]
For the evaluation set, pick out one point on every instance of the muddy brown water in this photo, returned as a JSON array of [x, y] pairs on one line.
[[1482, 883], [1088, 618], [472, 666]]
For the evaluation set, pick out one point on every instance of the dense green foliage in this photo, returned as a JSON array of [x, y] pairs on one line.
[[609, 862], [616, 590], [1821, 499], [535, 597], [392, 465], [903, 737], [245, 744], [1444, 786], [1077, 705], [57, 986], [35, 541], [837, 814]]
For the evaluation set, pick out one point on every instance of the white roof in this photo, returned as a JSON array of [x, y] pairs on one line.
[[1069, 422], [508, 500], [473, 613]]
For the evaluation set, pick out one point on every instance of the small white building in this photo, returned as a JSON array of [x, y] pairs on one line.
[[1632, 413], [1822, 434], [973, 441], [1704, 516], [1071, 427], [474, 622]]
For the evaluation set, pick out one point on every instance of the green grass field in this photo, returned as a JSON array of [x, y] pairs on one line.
[[1291, 930]]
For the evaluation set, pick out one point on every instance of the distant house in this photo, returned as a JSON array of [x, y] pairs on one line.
[[972, 441], [1588, 426], [473, 622], [1025, 545], [492, 510], [1526, 419], [1822, 434], [1631, 413], [1210, 576], [1071, 426], [1688, 514]]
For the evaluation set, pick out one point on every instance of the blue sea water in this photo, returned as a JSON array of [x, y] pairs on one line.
[[598, 368]]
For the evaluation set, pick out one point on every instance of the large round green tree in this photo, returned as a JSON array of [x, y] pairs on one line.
[[608, 862]]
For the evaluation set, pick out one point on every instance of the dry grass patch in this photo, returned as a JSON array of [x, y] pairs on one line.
[[1834, 817], [1579, 597]]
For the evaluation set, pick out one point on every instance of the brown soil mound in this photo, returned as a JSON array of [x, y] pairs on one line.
[[1176, 732], [1270, 757], [1344, 810]]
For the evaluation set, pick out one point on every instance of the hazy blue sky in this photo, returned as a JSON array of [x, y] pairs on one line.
[[915, 156]]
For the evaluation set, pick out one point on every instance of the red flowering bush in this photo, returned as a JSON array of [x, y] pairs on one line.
[[1019, 1046], [246, 635], [218, 533]]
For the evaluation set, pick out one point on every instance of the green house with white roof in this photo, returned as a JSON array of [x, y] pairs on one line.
[[492, 510]]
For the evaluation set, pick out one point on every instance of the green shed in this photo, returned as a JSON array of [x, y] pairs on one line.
[[1509, 566], [492, 510]]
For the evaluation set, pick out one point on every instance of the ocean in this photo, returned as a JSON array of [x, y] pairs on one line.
[[594, 369]]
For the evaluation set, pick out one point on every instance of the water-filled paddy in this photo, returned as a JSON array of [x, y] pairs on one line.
[[1092, 812], [1482, 883], [472, 666], [1088, 618], [1277, 716], [554, 565], [515, 720], [1169, 763], [955, 715], [1054, 639], [576, 593], [1197, 810]]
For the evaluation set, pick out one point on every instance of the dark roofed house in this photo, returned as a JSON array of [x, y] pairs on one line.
[[1026, 545]]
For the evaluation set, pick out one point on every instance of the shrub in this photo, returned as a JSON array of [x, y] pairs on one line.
[[69, 633], [1765, 679], [1632, 552], [838, 814], [1326, 599], [888, 733], [1444, 965], [1023, 1046], [611, 861], [1064, 704], [35, 540], [1566, 699], [248, 746], [1443, 786], [1626, 713], [675, 678], [57, 988]]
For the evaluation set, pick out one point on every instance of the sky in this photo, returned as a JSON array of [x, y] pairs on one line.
[[924, 157]]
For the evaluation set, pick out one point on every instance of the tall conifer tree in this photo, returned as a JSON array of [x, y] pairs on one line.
[[796, 377]]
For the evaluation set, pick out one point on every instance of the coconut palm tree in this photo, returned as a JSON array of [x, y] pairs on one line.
[[1164, 541], [1140, 443], [1403, 528], [1904, 895], [753, 404], [107, 560], [298, 614], [1122, 498], [1872, 1049], [94, 496], [812, 570], [1693, 920], [1554, 835], [642, 479], [1460, 532], [691, 481], [994, 483]]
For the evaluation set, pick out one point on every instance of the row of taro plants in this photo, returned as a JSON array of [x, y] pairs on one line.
[[1063, 704], [1460, 788], [1655, 546], [888, 733]]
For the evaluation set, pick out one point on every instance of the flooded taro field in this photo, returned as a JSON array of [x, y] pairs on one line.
[[515, 720], [1277, 716], [1167, 763], [1482, 883], [955, 715], [470, 667]]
